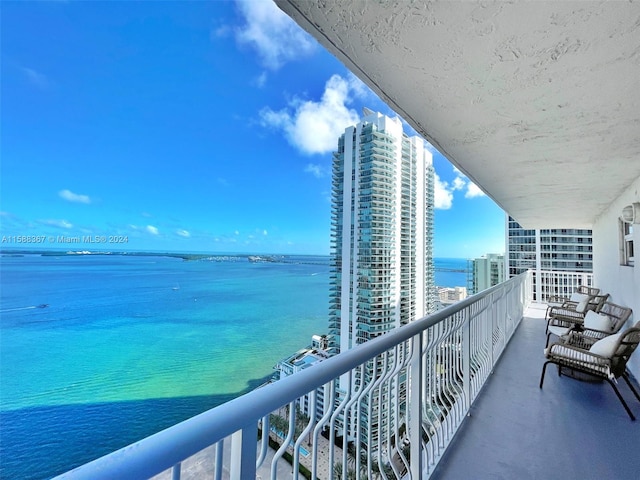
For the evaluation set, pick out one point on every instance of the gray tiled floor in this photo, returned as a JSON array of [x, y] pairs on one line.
[[568, 430]]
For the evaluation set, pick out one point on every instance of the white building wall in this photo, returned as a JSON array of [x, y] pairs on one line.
[[347, 254], [621, 282]]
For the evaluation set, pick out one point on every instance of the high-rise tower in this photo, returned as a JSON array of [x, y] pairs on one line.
[[545, 251], [382, 232]]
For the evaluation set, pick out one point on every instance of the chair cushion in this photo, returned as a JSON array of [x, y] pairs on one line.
[[581, 299], [578, 297], [606, 347], [597, 321], [558, 331]]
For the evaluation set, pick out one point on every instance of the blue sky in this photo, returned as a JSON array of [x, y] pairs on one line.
[[186, 126]]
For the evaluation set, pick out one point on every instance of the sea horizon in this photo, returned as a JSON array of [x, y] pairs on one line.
[[9, 250], [99, 351]]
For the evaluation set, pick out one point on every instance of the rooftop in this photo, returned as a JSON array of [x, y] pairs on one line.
[[569, 429]]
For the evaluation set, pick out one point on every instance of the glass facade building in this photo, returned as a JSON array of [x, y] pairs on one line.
[[382, 234], [546, 251], [565, 250]]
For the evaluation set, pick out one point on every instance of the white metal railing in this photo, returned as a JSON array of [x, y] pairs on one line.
[[395, 402], [549, 283]]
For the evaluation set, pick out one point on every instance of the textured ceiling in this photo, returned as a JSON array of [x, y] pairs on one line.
[[537, 102]]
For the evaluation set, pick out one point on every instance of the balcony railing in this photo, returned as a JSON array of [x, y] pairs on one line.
[[394, 403], [555, 283]]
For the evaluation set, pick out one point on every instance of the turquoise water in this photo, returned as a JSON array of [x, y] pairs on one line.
[[129, 345]]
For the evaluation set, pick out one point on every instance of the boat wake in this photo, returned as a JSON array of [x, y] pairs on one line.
[[43, 305]]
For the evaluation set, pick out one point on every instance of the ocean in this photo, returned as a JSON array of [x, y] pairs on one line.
[[98, 351]]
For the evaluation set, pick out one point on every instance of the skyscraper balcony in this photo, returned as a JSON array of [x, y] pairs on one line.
[[539, 107], [472, 407]]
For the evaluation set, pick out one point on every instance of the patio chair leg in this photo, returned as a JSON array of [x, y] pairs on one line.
[[547, 344], [544, 368], [624, 404], [626, 379]]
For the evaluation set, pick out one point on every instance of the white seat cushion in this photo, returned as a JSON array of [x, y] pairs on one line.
[[596, 321], [581, 299], [606, 347], [558, 331]]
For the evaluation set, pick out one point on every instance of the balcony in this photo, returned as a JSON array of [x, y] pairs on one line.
[[566, 430], [508, 427]]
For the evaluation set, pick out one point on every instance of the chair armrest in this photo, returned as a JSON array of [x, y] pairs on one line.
[[556, 300], [566, 314], [569, 305], [580, 339], [572, 354]]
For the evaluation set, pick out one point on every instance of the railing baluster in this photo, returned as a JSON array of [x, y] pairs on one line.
[[264, 441], [307, 429], [219, 459], [243, 453], [329, 397], [466, 363], [175, 471], [286, 441], [416, 402]]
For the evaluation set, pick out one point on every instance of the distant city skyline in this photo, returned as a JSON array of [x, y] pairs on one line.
[[187, 127]]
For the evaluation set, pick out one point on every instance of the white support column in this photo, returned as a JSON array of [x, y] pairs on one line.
[[243, 453]]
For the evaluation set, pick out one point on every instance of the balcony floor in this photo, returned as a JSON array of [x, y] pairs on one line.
[[570, 429]]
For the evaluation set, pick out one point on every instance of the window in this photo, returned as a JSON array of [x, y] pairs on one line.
[[626, 243]]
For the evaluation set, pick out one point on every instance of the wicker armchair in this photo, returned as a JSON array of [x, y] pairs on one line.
[[617, 316], [567, 302], [564, 318], [606, 359]]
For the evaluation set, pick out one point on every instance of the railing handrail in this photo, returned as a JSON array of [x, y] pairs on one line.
[[163, 450], [563, 272]]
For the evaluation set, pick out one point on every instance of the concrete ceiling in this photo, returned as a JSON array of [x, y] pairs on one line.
[[537, 102]]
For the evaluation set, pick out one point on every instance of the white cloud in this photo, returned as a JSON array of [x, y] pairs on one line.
[[221, 31], [458, 183], [314, 127], [442, 193], [152, 230], [462, 181], [74, 197], [276, 38], [264, 232], [431, 148], [261, 80], [183, 233], [317, 171], [36, 79], [237, 232], [473, 191], [58, 223]]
